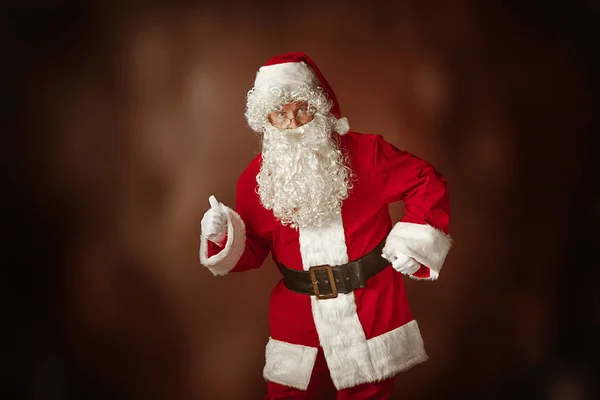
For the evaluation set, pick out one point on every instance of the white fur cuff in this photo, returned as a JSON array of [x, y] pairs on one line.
[[426, 244], [289, 364], [226, 259]]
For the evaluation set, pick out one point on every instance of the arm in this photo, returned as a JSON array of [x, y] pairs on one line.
[[244, 248], [422, 234]]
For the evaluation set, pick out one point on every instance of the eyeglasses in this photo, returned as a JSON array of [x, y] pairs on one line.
[[283, 118]]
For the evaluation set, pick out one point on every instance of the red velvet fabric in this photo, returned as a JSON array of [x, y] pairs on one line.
[[382, 175]]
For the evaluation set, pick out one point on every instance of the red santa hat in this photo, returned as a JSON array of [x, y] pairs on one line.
[[291, 76]]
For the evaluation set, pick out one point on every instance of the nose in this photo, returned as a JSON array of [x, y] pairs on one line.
[[293, 123]]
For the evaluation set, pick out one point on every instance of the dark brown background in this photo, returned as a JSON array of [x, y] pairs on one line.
[[122, 119]]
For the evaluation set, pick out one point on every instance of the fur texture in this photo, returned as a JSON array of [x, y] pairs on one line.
[[342, 126], [226, 259], [303, 176], [279, 84], [396, 351], [325, 245], [289, 364], [343, 340], [286, 74], [340, 332], [426, 244]]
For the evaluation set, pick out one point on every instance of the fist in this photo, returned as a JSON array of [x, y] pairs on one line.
[[400, 262], [214, 222]]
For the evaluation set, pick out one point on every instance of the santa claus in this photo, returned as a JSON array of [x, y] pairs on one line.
[[317, 199]]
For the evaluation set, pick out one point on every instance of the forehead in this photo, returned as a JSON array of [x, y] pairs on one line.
[[293, 105]]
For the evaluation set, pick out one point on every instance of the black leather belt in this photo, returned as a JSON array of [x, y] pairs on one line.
[[326, 281]]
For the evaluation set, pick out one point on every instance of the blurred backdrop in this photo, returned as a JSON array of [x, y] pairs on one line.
[[121, 118]]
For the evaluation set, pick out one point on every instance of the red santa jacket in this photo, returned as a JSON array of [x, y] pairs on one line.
[[367, 335]]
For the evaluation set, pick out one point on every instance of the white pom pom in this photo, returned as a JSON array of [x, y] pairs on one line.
[[342, 126]]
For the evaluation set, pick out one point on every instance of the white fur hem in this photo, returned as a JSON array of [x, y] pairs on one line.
[[426, 244], [351, 358], [289, 364], [376, 359], [341, 334], [226, 259], [286, 74], [379, 358], [343, 340], [396, 351]]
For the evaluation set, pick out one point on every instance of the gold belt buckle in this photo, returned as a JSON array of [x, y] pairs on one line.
[[315, 283]]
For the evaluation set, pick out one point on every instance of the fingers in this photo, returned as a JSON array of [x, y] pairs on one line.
[[405, 264], [211, 231], [414, 267], [401, 263], [214, 235], [388, 254], [388, 257], [213, 224]]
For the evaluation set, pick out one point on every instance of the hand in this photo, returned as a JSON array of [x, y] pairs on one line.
[[401, 263], [214, 222]]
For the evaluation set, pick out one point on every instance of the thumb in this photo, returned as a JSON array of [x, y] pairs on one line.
[[214, 204]]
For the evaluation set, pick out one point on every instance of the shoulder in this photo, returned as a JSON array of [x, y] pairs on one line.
[[360, 139], [247, 180], [364, 141], [367, 145]]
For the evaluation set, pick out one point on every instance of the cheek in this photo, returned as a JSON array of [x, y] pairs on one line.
[[306, 118], [273, 121]]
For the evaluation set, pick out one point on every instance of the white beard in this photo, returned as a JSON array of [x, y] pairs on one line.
[[304, 175]]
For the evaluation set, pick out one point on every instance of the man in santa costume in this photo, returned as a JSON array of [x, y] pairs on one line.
[[317, 199]]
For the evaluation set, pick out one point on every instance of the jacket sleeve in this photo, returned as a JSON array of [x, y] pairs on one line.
[[422, 232], [244, 248]]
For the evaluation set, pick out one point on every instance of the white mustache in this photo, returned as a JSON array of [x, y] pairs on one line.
[[301, 130]]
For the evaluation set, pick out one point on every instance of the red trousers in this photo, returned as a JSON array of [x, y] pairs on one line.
[[321, 387]]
